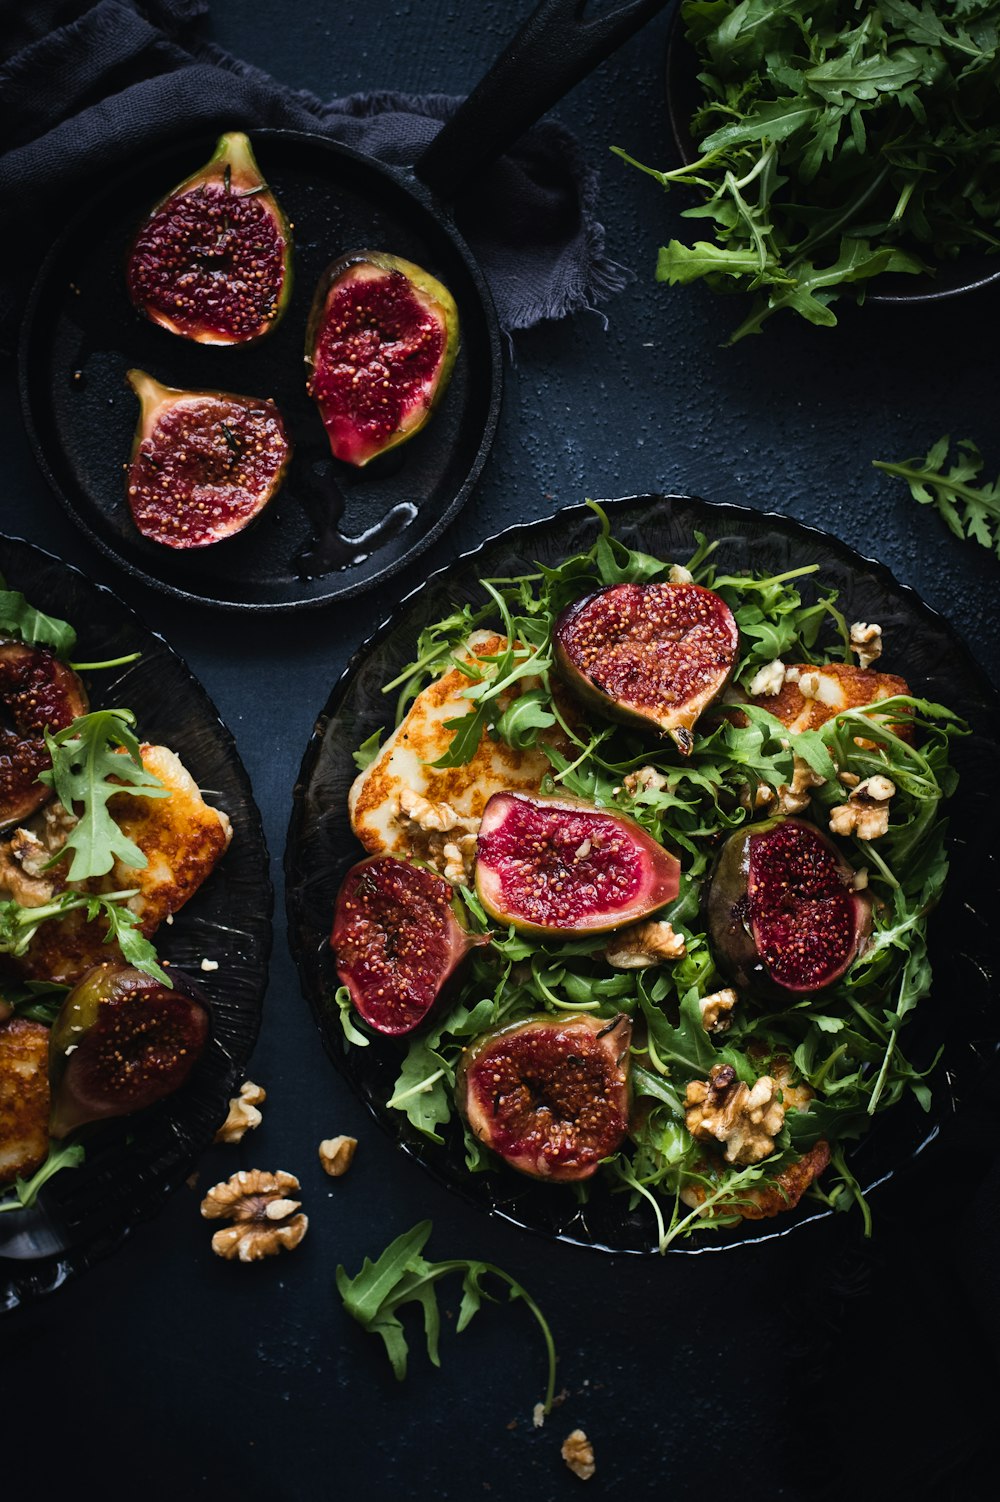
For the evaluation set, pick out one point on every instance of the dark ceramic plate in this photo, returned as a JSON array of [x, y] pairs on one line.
[[968, 272], [333, 530], [961, 1013], [132, 1166]]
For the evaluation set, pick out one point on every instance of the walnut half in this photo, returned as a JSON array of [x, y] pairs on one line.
[[724, 1109], [866, 812], [265, 1220]]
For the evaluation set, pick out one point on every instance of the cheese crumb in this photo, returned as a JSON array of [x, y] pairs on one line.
[[210, 964]]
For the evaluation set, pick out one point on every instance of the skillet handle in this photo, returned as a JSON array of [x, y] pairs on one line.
[[554, 49]]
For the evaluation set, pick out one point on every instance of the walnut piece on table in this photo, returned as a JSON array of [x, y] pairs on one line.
[[745, 1120], [337, 1154], [265, 1220], [244, 1115], [578, 1453]]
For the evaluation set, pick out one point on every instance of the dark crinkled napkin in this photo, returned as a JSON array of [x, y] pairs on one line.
[[85, 88]]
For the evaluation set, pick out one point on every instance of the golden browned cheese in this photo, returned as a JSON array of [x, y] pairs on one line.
[[24, 1098], [841, 686], [183, 839], [788, 1187], [782, 1193], [403, 763]]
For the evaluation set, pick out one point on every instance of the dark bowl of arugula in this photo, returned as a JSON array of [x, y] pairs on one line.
[[890, 1057], [836, 151]]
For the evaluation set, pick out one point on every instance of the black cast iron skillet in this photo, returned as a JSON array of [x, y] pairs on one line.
[[966, 273], [333, 531]]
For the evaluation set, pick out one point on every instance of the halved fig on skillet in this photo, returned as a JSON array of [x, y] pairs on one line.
[[37, 691], [550, 1095], [212, 261], [653, 655], [380, 347], [204, 464], [783, 914], [397, 941], [560, 865]]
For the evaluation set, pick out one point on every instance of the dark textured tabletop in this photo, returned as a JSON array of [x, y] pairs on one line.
[[816, 1366]]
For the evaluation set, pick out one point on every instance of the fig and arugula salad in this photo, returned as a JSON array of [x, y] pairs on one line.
[[651, 854]]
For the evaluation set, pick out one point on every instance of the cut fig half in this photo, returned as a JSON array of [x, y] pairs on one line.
[[782, 909], [397, 940], [380, 346], [550, 1095], [121, 1042], [204, 464], [653, 655], [37, 692], [212, 261], [554, 866]]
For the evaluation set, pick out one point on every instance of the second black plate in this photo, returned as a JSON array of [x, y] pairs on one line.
[[960, 1016]]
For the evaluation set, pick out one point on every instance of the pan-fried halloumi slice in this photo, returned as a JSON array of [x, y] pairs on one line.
[[401, 805], [181, 836], [838, 686], [24, 1098]]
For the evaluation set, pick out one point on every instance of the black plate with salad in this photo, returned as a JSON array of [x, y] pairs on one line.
[[155, 783], [875, 1036]]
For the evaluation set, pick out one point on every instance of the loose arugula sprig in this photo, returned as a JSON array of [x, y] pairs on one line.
[[836, 142], [88, 769], [970, 510], [846, 1047], [402, 1276]]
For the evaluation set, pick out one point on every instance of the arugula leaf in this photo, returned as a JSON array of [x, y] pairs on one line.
[[18, 618], [88, 769], [25, 1191], [18, 926], [402, 1276], [368, 750], [971, 511], [421, 1091]]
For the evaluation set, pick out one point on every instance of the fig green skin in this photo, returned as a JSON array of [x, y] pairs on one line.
[[234, 153], [567, 1162], [728, 917], [663, 869], [424, 283], [677, 723], [94, 1072]]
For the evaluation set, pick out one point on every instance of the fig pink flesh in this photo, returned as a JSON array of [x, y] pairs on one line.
[[207, 465], [140, 1048], [551, 1097], [377, 358], [553, 865], [804, 918], [36, 690], [662, 651], [396, 941], [210, 261]]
